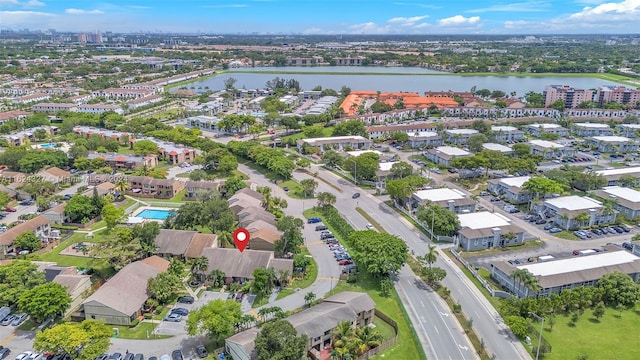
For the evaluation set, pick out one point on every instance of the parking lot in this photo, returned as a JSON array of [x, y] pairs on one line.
[[178, 328]]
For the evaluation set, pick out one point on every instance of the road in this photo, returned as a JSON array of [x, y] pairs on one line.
[[486, 321], [440, 334]]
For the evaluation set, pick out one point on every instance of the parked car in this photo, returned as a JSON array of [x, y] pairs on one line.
[[314, 220], [548, 226], [19, 319], [67, 197], [9, 209], [25, 355], [180, 311], [345, 262], [177, 355], [494, 199], [138, 357], [8, 320], [541, 221], [4, 352], [627, 246], [321, 227], [115, 356], [128, 356], [104, 356], [172, 318], [26, 203], [555, 230], [355, 196], [202, 351], [186, 299]]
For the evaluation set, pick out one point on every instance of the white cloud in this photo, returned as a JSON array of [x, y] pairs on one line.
[[73, 11], [24, 18], [628, 9], [459, 20], [528, 6], [369, 28], [407, 21], [29, 3], [422, 26]]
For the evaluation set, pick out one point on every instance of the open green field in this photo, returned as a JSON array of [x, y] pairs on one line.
[[79, 261], [613, 337]]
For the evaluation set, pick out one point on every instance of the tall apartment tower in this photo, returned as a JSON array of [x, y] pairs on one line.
[[572, 97]]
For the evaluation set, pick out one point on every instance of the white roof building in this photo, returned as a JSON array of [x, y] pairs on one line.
[[592, 125], [580, 263], [619, 171], [442, 194], [483, 220], [386, 166], [515, 181], [611, 139], [497, 147], [462, 131], [625, 193], [452, 151], [545, 126], [546, 144], [360, 152], [496, 128], [574, 203]]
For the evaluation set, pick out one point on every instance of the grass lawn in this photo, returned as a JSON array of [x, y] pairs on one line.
[[407, 346], [610, 338], [371, 220], [140, 331], [79, 261], [566, 235], [295, 189], [386, 331], [527, 245]]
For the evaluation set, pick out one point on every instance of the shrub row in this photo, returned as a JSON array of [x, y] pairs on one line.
[[338, 223]]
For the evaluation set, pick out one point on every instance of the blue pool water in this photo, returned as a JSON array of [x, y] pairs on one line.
[[154, 214], [47, 146]]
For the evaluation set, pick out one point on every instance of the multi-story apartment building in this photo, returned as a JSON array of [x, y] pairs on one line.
[[538, 129], [118, 93], [143, 101], [510, 189], [53, 107], [26, 99], [592, 129], [339, 143], [571, 97], [99, 108], [128, 162], [21, 137], [157, 188], [613, 144], [626, 200], [619, 94], [485, 230], [565, 211], [459, 136], [451, 199], [442, 155], [550, 149], [506, 133]]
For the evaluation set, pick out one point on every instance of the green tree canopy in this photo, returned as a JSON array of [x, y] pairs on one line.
[[17, 277], [541, 186], [82, 341], [163, 287], [350, 127], [44, 301], [28, 241], [378, 253], [445, 222], [279, 340], [216, 319], [619, 289], [475, 142]]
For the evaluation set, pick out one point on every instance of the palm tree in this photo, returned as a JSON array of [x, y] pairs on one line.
[[122, 185], [225, 239], [531, 283], [519, 276], [430, 257], [565, 219], [309, 297], [198, 266]]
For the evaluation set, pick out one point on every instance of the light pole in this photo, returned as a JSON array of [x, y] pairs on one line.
[[540, 334]]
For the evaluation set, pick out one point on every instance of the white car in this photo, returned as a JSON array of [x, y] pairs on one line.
[[25, 355], [369, 227]]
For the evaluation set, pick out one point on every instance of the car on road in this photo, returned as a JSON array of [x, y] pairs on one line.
[[202, 351], [9, 209], [369, 227], [26, 203], [177, 355], [186, 299], [314, 220], [173, 317], [180, 311], [355, 196], [4, 352], [286, 188]]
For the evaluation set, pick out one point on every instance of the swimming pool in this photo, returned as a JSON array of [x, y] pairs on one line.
[[154, 214], [47, 146]]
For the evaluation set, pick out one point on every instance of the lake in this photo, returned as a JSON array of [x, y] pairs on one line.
[[394, 79]]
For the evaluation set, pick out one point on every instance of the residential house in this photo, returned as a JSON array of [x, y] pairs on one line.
[[592, 129], [77, 284], [143, 101], [384, 131], [564, 210], [122, 137], [251, 214], [55, 175], [459, 136], [26, 99], [316, 322], [538, 129], [194, 190], [244, 198], [39, 225], [13, 114], [56, 214], [126, 161], [157, 188], [506, 133], [555, 276], [625, 200], [172, 153], [629, 130], [119, 301], [263, 234], [183, 244], [613, 144], [23, 137], [485, 230], [442, 155], [103, 189], [550, 149], [424, 139], [613, 175], [239, 266], [53, 107], [338, 143], [451, 199], [209, 123], [99, 108], [510, 189]]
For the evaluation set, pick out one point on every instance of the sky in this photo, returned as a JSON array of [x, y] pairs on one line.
[[327, 16]]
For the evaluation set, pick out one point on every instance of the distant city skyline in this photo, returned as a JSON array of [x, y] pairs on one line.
[[326, 17]]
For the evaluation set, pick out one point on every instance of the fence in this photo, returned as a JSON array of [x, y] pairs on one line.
[[424, 227], [534, 334], [475, 274], [387, 344]]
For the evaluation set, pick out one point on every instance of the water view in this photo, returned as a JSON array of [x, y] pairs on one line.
[[414, 80]]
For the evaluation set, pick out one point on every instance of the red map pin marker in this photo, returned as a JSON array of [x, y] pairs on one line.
[[241, 238]]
